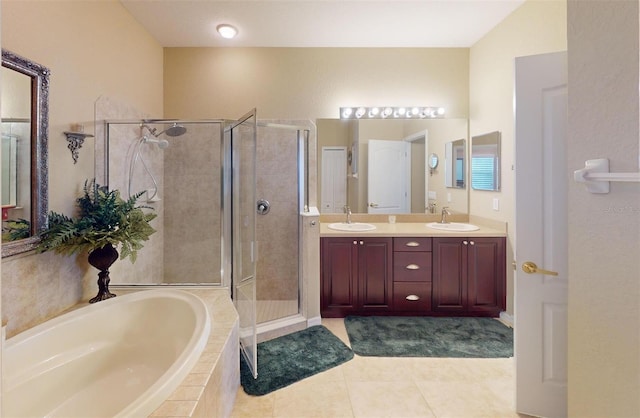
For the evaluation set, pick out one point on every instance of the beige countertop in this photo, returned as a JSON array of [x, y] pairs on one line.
[[411, 229]]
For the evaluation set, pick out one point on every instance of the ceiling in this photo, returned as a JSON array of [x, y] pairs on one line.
[[321, 23]]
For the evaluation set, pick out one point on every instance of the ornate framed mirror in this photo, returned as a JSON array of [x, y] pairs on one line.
[[25, 127]]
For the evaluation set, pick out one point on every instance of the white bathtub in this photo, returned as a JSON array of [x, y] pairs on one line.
[[121, 357]]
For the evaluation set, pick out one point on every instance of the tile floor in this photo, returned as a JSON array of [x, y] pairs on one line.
[[369, 387]]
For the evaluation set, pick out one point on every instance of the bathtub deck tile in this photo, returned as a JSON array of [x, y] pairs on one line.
[[175, 409], [204, 366], [186, 393], [196, 379]]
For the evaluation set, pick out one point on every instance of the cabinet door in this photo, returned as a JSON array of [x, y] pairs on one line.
[[374, 275], [486, 275], [339, 276], [449, 275]]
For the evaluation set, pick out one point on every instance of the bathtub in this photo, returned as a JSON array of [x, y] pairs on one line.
[[121, 357]]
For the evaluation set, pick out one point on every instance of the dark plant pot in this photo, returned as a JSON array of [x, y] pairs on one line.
[[102, 259]]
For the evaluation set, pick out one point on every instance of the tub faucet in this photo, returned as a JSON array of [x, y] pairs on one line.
[[347, 210], [445, 213]]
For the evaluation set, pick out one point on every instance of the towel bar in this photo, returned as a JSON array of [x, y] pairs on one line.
[[596, 176]]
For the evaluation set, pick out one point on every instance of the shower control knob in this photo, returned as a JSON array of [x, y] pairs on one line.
[[263, 207]]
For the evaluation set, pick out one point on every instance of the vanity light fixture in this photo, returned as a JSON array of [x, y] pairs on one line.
[[399, 112], [227, 31]]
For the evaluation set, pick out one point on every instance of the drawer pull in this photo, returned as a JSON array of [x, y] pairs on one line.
[[413, 267], [413, 297], [412, 244]]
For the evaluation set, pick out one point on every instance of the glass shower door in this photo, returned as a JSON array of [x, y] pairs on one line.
[[243, 213]]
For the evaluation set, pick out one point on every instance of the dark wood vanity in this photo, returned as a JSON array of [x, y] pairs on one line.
[[399, 275]]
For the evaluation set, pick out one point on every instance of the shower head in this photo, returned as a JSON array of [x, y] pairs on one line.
[[162, 143], [174, 130]]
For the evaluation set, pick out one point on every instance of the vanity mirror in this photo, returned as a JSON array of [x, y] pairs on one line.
[[424, 141], [25, 121], [433, 160], [485, 161]]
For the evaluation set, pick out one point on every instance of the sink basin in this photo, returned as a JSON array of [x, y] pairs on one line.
[[355, 226], [453, 226]]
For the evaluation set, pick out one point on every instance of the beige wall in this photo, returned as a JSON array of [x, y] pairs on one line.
[[311, 83], [92, 49], [604, 230], [534, 28]]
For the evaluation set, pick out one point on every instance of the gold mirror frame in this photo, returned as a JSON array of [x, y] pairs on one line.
[[39, 137]]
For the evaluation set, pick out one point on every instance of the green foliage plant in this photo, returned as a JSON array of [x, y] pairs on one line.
[[103, 218], [16, 229]]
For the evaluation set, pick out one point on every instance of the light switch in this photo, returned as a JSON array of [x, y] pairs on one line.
[[448, 197], [496, 203]]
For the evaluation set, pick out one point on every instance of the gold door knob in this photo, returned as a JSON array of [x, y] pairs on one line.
[[530, 267]]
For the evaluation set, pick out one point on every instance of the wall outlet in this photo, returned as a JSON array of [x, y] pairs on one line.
[[496, 204]]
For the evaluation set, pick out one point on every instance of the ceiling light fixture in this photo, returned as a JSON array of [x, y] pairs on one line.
[[227, 31], [400, 112]]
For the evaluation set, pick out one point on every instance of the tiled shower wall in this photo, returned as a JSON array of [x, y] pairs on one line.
[[277, 232], [186, 246], [192, 205], [123, 140]]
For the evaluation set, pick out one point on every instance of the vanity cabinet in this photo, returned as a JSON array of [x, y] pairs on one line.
[[412, 275], [356, 276], [469, 276]]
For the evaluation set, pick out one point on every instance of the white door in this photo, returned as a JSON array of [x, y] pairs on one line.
[[334, 179], [389, 175], [541, 235]]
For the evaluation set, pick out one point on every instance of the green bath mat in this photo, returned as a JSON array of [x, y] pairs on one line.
[[290, 358], [394, 336]]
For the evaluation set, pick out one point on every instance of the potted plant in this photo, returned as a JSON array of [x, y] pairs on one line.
[[105, 222]]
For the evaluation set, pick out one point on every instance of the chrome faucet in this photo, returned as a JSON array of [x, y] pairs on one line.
[[347, 210], [445, 213]]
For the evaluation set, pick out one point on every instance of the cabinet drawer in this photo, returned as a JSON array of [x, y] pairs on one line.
[[411, 244], [412, 266], [412, 296]]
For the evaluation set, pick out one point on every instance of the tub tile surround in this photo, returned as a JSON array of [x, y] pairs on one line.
[[37, 287]]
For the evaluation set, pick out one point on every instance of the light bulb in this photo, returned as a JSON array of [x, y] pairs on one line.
[[360, 112], [387, 112], [347, 112], [373, 112], [441, 111], [227, 31], [399, 112]]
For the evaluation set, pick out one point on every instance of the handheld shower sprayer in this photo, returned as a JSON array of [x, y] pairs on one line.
[[151, 138], [162, 143]]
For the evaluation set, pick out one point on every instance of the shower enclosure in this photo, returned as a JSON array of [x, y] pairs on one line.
[[210, 182]]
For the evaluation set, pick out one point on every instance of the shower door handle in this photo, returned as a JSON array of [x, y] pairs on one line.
[[263, 207]]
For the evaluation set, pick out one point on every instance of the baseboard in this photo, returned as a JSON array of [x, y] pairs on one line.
[[506, 319], [316, 320]]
